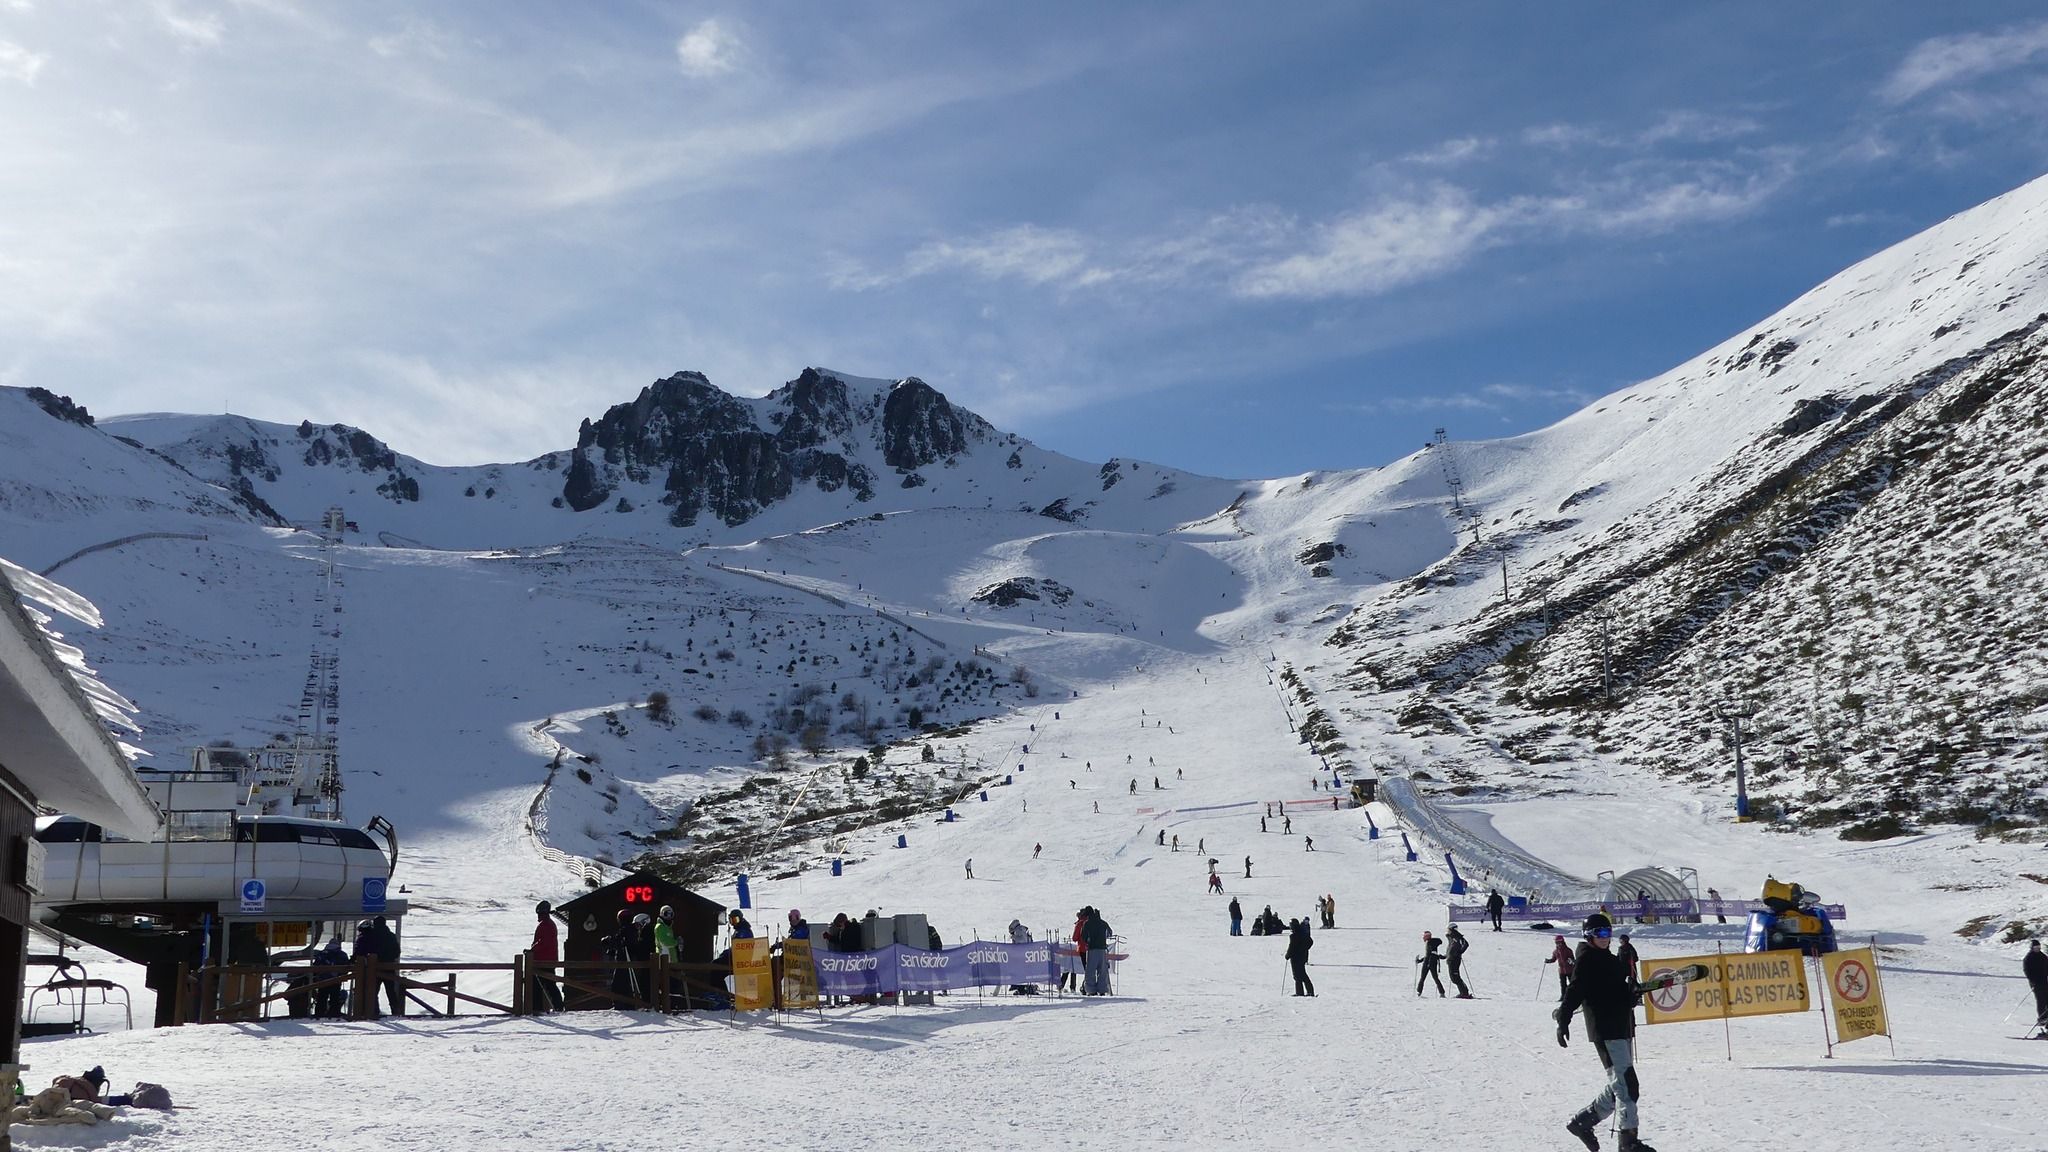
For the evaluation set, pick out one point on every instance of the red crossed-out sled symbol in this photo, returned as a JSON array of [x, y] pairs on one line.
[[1852, 983], [1671, 997]]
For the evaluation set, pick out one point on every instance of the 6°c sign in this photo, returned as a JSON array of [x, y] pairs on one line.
[[253, 895]]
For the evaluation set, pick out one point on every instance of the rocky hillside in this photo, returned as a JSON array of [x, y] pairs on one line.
[[1829, 527]]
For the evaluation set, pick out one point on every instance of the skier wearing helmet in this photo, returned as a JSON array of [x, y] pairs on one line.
[[665, 944], [1606, 992], [1561, 955]]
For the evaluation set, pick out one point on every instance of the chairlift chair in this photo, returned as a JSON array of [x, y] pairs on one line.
[[70, 987]]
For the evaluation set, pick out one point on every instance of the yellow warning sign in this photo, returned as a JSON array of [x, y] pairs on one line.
[[1744, 984], [1854, 993], [752, 987], [799, 975]]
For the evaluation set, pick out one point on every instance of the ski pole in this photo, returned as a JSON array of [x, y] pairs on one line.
[[2016, 1005]]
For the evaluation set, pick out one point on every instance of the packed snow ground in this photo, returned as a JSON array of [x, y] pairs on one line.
[[1201, 1045]]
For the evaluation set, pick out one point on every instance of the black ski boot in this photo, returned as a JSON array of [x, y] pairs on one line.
[[1629, 1143], [1582, 1126]]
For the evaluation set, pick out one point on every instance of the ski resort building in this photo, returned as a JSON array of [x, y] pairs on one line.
[[54, 753]]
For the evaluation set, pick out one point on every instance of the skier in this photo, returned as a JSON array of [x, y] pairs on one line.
[[1201, 845], [1720, 917], [1457, 958], [1247, 867], [1134, 785], [1298, 944], [970, 868], [1162, 837], [1262, 824], [1155, 783], [1179, 775], [1627, 955], [1176, 843], [1236, 917], [1287, 825], [1309, 842], [1429, 960], [1095, 933], [1494, 904], [1561, 955], [1215, 883], [1036, 849], [2036, 968], [1606, 991]]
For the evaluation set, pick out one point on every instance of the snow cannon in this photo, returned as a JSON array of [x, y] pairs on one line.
[[1793, 918]]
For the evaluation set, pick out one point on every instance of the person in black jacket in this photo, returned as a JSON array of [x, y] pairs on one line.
[[1456, 956], [376, 938], [1604, 991], [1429, 960], [1298, 944], [1236, 917], [2036, 968], [1495, 905], [1095, 934]]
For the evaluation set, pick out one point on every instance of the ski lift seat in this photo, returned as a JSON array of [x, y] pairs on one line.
[[75, 993]]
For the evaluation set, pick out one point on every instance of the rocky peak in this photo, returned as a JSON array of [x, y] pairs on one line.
[[811, 409], [919, 426]]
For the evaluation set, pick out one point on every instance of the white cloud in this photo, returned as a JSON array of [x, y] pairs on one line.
[[1945, 60], [412, 37], [1380, 248], [18, 63], [1450, 151], [1025, 252], [201, 31], [1489, 398], [709, 49]]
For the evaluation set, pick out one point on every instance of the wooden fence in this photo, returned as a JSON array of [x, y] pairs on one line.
[[246, 992]]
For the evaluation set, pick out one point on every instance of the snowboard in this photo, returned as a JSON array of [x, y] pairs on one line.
[[1685, 975]]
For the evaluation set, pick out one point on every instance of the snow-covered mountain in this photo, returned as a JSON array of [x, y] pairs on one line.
[[1829, 522], [682, 464]]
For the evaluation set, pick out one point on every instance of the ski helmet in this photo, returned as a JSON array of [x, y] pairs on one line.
[[543, 908], [642, 919], [668, 911], [1597, 921]]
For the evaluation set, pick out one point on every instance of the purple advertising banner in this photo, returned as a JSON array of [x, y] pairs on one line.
[[982, 963], [1619, 910]]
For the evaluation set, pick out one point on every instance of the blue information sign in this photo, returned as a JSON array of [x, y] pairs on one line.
[[252, 895], [373, 894]]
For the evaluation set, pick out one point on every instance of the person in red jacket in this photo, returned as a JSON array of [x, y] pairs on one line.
[[1562, 957], [545, 950]]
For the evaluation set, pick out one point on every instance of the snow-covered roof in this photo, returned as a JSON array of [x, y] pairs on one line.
[[54, 712]]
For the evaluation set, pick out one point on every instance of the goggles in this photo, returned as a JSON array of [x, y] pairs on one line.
[[1601, 933]]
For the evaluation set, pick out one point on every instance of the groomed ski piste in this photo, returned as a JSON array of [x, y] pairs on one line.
[[1202, 1043]]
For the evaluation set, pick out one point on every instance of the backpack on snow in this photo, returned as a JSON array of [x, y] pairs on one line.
[[147, 1095]]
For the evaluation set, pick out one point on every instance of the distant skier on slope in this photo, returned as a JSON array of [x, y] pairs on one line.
[[1236, 917], [1429, 960], [1456, 955], [1606, 992], [1247, 867], [1494, 906], [2035, 966], [1298, 944], [1561, 955]]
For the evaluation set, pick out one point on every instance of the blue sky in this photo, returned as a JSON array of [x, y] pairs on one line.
[[1243, 240]]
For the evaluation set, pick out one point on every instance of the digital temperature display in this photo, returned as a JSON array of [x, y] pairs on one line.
[[639, 893]]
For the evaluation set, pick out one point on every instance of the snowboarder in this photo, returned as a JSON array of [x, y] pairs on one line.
[[1494, 905], [1247, 867], [1298, 944], [1606, 992], [1236, 917], [1456, 955], [970, 868], [1429, 960], [2036, 968], [1561, 955]]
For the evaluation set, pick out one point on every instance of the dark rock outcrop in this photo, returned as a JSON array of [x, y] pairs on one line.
[[61, 407], [919, 426]]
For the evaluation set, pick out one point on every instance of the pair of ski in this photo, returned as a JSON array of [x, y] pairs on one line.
[[1685, 975]]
